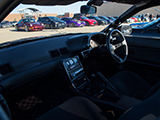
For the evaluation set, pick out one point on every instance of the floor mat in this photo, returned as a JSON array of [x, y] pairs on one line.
[[31, 107], [28, 103]]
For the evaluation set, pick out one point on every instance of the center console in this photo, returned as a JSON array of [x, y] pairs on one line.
[[93, 87], [97, 86], [75, 72]]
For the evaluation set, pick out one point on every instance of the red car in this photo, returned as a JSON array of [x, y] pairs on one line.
[[135, 19], [87, 20], [29, 25]]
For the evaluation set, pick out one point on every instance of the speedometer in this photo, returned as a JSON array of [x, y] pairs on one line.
[[93, 44]]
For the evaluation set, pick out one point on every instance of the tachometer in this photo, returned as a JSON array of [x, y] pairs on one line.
[[93, 44]]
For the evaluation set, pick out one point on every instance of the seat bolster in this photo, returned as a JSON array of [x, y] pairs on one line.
[[146, 110], [152, 91], [76, 108], [130, 84]]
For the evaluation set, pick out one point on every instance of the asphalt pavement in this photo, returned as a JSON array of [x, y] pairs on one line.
[[9, 34]]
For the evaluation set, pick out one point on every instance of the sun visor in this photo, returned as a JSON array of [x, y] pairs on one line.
[[67, 2], [50, 2], [130, 1]]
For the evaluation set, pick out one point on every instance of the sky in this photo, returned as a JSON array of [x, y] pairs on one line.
[[73, 8]]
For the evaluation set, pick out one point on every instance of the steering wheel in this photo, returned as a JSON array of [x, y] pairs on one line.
[[117, 46]]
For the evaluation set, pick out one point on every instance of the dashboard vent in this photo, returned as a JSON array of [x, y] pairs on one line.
[[5, 69], [54, 53], [63, 51]]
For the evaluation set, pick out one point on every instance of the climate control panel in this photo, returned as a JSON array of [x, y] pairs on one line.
[[75, 71]]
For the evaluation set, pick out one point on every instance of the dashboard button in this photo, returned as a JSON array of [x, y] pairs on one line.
[[71, 62], [75, 60], [67, 63]]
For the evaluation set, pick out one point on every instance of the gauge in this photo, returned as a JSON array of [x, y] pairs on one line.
[[93, 44]]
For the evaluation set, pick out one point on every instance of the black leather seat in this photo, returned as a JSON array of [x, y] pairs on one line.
[[131, 84], [79, 108]]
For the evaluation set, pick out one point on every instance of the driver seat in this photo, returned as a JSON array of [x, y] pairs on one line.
[[80, 108], [131, 84]]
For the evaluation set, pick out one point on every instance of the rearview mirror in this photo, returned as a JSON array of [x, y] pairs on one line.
[[85, 9]]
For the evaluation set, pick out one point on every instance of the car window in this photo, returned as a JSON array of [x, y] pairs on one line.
[[20, 21], [54, 18], [65, 19], [152, 23], [67, 12], [45, 19], [40, 19], [28, 20], [97, 18], [84, 18]]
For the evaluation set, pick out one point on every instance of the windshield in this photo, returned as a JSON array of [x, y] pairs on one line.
[[97, 18], [28, 20], [13, 31], [84, 18], [54, 18], [104, 17], [4, 22]]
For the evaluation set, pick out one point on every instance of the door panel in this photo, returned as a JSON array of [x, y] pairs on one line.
[[151, 31], [144, 57]]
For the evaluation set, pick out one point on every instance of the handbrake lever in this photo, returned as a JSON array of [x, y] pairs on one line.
[[110, 87]]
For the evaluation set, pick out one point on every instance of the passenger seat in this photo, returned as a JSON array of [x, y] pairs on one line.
[[79, 108]]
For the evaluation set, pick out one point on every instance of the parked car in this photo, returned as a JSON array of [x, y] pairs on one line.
[[105, 19], [79, 75], [148, 29], [112, 19], [129, 20], [29, 25], [134, 19], [73, 22], [99, 20], [5, 24], [115, 17], [89, 22], [52, 22], [13, 23]]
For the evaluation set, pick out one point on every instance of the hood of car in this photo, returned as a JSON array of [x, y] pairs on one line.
[[90, 20], [34, 23]]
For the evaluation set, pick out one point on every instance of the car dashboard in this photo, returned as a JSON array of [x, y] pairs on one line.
[[21, 63], [59, 66]]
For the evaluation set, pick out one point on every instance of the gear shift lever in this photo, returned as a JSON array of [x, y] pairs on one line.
[[93, 80], [110, 87]]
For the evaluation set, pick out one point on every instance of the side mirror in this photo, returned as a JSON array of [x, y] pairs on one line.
[[126, 29], [85, 9]]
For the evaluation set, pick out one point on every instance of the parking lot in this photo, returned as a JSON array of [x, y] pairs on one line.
[[9, 34]]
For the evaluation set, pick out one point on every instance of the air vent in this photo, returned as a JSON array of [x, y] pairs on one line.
[[63, 51], [5, 69], [54, 53]]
